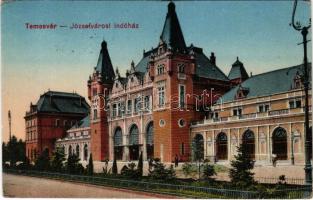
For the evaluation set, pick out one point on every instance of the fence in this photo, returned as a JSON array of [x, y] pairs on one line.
[[171, 189], [291, 181]]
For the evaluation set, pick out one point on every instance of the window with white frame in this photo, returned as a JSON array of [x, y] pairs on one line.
[[161, 95], [129, 106], [237, 111], [295, 103], [161, 69], [263, 108], [181, 68]]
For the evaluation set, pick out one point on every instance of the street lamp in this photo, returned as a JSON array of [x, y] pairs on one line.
[[292, 149], [305, 78]]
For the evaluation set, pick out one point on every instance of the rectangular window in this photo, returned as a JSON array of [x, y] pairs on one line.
[[182, 94], [57, 122], [114, 110], [291, 104], [95, 115], [119, 109], [147, 102], [161, 94], [182, 149], [137, 105], [129, 106], [215, 115], [237, 112], [94, 91], [160, 69], [261, 108], [267, 107], [298, 103]]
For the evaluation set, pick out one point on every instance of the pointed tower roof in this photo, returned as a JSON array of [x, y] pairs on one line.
[[238, 71], [104, 65], [172, 34]]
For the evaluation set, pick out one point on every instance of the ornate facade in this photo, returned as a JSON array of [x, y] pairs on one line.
[[265, 113], [150, 109]]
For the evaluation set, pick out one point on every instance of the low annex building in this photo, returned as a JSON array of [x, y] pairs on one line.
[[77, 140], [265, 113]]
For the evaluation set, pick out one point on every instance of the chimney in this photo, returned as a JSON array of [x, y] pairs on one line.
[[213, 59]]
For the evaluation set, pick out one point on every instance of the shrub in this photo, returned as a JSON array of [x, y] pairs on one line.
[[159, 172], [130, 171], [189, 169], [208, 171]]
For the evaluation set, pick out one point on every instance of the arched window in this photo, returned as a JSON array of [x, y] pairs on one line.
[[149, 140], [85, 152], [248, 143], [134, 142], [221, 146], [77, 151], [198, 148], [118, 143], [280, 143]]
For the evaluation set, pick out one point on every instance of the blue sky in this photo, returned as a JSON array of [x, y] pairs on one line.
[[62, 59]]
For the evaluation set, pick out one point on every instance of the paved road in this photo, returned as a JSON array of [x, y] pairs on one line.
[[23, 186]]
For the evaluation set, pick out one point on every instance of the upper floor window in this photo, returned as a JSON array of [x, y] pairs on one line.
[[57, 122], [160, 69], [114, 110], [137, 105], [295, 103], [237, 112], [129, 106], [182, 94], [263, 108], [95, 114], [94, 91], [147, 102], [161, 95], [181, 68]]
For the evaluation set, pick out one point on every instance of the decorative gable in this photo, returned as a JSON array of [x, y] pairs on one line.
[[242, 92]]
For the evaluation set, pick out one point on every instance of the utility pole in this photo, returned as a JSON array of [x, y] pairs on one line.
[[9, 116], [305, 79]]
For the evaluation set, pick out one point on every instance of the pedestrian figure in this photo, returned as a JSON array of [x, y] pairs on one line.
[[150, 162], [176, 161], [274, 158]]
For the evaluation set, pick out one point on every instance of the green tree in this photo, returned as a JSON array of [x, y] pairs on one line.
[[42, 162], [114, 167], [140, 165], [73, 166], [240, 173], [159, 171], [90, 166], [57, 160], [198, 150]]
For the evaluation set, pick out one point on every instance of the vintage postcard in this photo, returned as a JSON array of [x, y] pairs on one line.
[[156, 99]]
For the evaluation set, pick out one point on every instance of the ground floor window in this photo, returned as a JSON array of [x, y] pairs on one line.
[[198, 148], [280, 143], [133, 143], [248, 143], [221, 146]]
